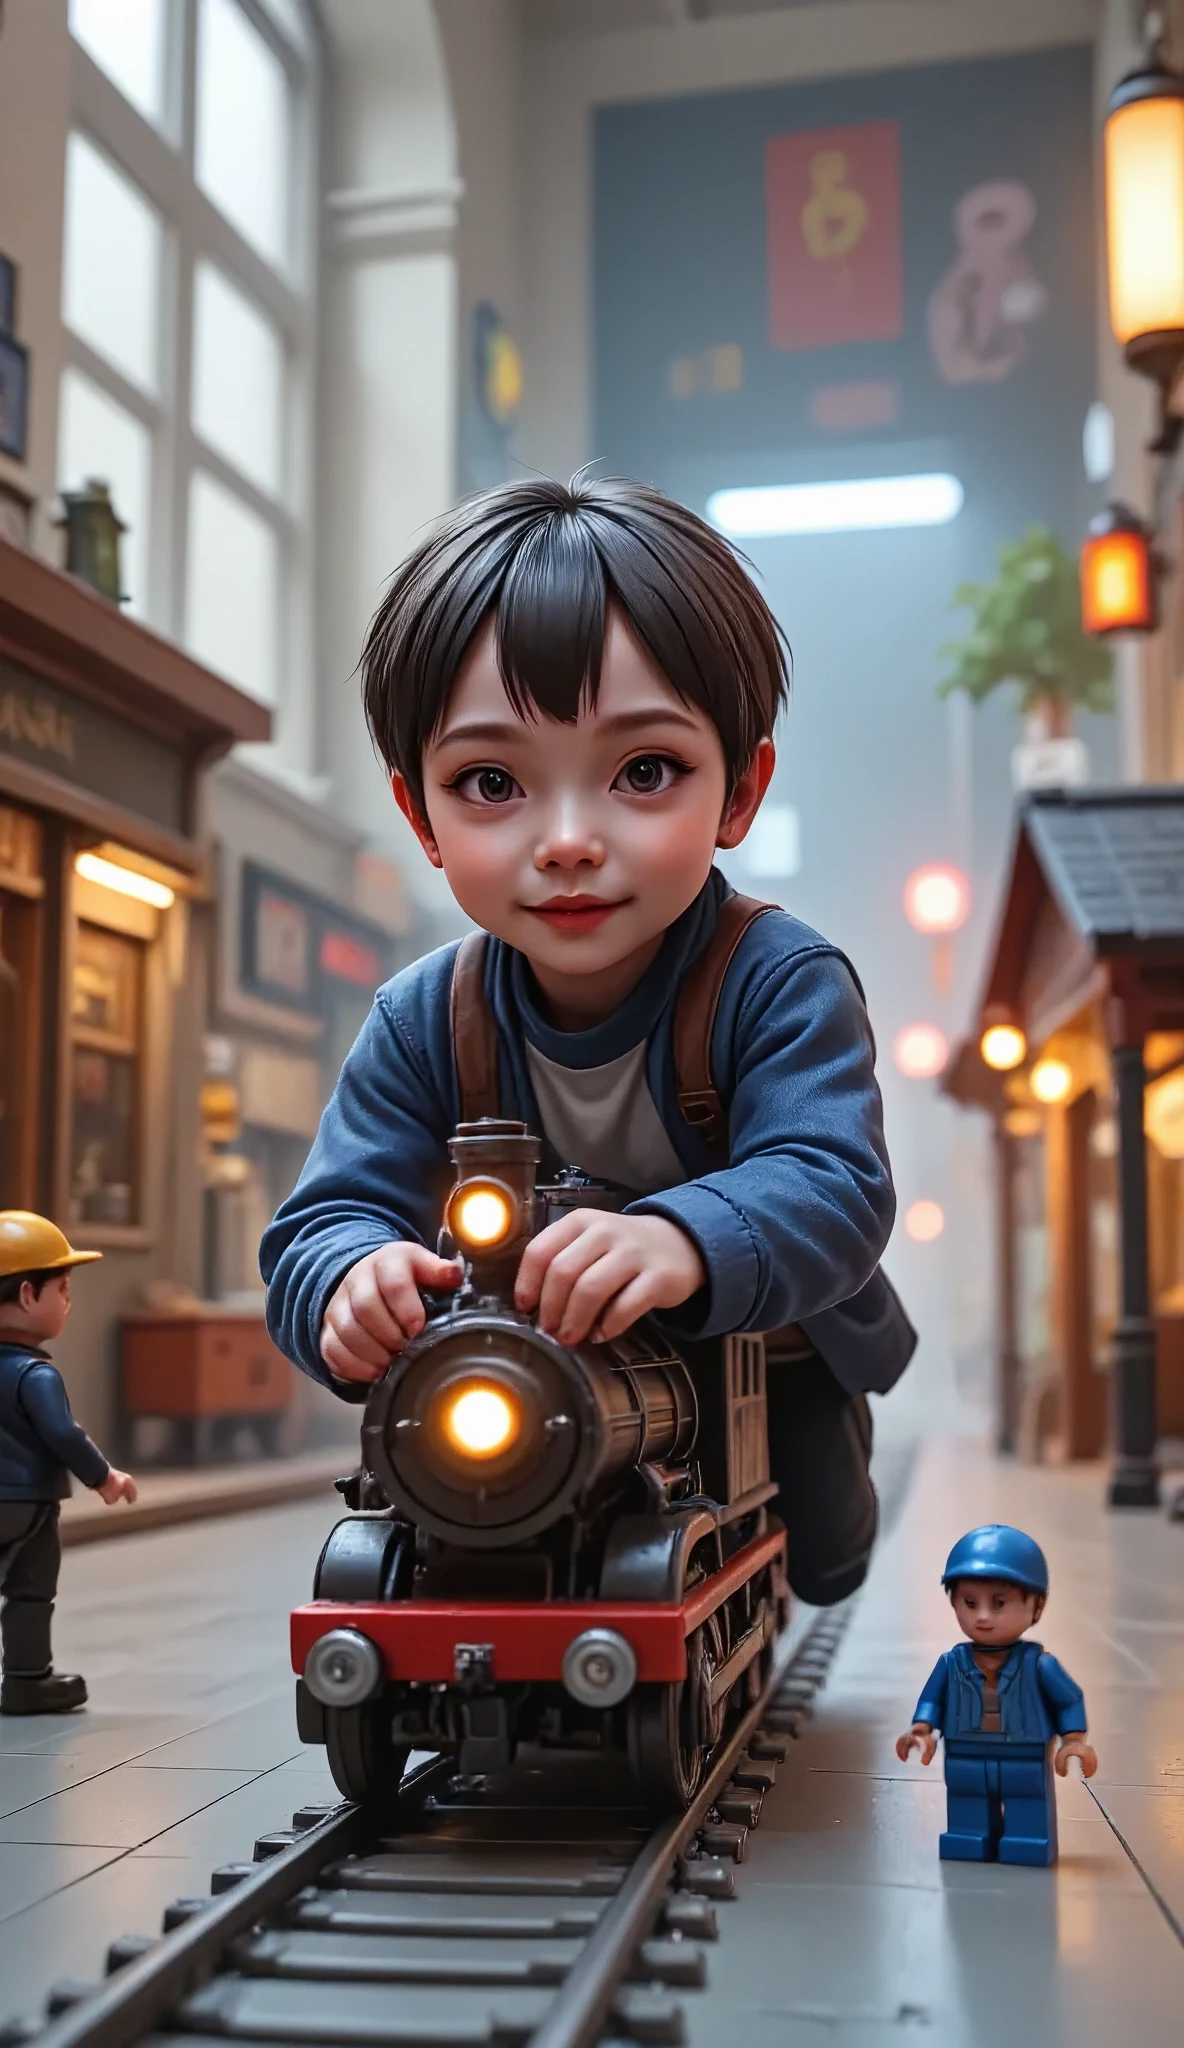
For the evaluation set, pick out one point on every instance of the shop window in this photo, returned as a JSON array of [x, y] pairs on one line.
[[111, 231], [21, 887], [1032, 1256], [1165, 1177], [243, 127], [106, 1029], [1103, 1233]]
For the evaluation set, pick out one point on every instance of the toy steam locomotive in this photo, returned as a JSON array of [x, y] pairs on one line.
[[567, 1546]]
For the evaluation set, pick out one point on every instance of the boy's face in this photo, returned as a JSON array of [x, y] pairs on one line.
[[994, 1612], [39, 1317], [579, 844]]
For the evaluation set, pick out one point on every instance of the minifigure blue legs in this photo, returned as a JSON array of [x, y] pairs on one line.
[[1000, 1804]]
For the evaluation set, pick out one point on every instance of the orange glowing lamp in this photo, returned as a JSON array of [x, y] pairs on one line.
[[937, 899], [1143, 147], [1119, 585]]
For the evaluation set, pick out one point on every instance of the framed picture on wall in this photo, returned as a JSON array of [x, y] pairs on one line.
[[7, 295], [14, 398]]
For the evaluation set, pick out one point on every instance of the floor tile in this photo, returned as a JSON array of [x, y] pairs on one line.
[[35, 1870], [122, 1808]]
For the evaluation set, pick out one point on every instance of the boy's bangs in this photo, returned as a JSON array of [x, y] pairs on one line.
[[551, 620]]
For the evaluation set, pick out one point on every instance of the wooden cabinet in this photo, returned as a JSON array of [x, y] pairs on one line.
[[207, 1370]]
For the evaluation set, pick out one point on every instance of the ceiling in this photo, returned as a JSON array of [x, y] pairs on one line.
[[601, 17]]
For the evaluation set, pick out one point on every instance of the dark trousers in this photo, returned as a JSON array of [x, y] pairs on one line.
[[820, 1446], [1001, 1803], [30, 1558]]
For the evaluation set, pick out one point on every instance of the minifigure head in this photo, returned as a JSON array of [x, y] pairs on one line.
[[574, 690], [35, 1264], [997, 1580], [34, 1305]]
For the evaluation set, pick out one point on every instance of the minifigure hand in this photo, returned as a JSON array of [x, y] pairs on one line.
[[377, 1309], [920, 1736], [117, 1486], [592, 1273], [1075, 1745]]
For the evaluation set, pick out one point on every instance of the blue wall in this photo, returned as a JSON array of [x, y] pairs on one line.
[[883, 774]]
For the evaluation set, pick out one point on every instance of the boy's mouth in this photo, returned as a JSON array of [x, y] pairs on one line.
[[573, 913]]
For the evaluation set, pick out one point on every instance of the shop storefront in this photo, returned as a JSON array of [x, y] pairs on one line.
[[105, 734], [1083, 1015]]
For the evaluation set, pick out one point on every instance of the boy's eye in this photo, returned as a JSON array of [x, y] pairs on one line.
[[649, 774], [487, 785]]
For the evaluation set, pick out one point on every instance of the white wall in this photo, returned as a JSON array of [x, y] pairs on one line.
[[34, 118], [568, 77]]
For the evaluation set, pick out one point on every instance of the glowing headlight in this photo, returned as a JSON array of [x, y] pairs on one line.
[[481, 1214], [480, 1420]]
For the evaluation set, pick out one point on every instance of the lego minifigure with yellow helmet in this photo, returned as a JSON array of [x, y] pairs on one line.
[[41, 1445]]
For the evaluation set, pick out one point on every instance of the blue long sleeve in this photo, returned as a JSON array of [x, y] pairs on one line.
[[44, 1403], [931, 1707], [798, 1219], [1063, 1694]]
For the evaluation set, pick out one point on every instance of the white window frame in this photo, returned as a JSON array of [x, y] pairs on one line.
[[159, 161]]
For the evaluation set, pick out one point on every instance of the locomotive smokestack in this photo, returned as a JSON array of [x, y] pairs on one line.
[[492, 1211]]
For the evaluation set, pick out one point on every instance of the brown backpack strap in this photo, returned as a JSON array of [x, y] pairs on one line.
[[694, 1019], [474, 1033]]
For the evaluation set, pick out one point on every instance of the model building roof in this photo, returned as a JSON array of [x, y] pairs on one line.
[[1114, 858]]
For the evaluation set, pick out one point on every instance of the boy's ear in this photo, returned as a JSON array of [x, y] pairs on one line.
[[1038, 1609], [415, 818], [745, 800]]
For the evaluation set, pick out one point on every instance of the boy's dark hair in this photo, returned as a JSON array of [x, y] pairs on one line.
[[549, 559], [11, 1284]]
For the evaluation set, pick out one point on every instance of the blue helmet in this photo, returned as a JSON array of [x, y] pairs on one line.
[[997, 1552]]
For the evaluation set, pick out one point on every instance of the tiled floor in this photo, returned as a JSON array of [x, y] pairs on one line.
[[847, 1931]]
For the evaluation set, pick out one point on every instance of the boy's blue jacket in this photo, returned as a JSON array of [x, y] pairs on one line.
[[790, 1232], [1037, 1697]]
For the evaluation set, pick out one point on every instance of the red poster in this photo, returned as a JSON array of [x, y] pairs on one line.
[[833, 202]]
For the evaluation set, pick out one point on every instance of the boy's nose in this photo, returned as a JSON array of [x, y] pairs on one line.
[[569, 840]]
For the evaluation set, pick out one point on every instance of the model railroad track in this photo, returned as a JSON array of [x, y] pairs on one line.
[[545, 1917]]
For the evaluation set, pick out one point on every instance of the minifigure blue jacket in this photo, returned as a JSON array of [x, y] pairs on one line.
[[40, 1442], [1037, 1697], [790, 1231]]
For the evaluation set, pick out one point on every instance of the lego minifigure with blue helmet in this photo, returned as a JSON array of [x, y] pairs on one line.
[[998, 1702]]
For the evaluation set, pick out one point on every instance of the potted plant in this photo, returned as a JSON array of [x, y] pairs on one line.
[[1027, 630]]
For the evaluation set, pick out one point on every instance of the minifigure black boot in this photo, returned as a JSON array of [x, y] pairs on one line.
[[45, 1692]]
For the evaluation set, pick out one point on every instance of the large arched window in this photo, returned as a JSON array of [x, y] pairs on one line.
[[189, 288]]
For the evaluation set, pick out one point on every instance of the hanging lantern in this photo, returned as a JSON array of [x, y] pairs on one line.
[[1144, 156], [937, 899], [1003, 1047], [1119, 575]]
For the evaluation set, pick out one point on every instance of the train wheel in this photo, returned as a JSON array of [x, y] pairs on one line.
[[664, 1754], [366, 1765]]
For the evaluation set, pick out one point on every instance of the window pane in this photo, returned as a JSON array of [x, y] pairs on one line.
[[233, 590], [111, 285], [97, 438], [243, 127], [105, 1027], [238, 379], [126, 38]]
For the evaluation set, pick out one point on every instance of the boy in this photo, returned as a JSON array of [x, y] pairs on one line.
[[574, 691], [998, 1701], [40, 1446]]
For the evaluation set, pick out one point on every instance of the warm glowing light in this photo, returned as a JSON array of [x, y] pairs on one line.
[[920, 1051], [1118, 581], [924, 1221], [1051, 1080], [1164, 1115], [1003, 1047], [853, 505], [480, 1215], [1144, 150], [125, 881], [481, 1420], [937, 898]]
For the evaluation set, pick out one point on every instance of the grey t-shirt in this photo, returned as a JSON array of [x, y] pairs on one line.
[[604, 1120]]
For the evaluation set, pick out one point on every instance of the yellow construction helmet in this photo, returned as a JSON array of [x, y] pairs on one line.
[[32, 1244]]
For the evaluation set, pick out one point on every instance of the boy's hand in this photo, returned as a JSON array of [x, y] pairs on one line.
[[1075, 1745], [117, 1486], [920, 1736], [592, 1273], [377, 1309]]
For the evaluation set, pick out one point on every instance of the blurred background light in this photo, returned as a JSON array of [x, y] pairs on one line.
[[937, 898], [920, 1051], [1003, 1047], [924, 1221], [1051, 1080], [856, 505]]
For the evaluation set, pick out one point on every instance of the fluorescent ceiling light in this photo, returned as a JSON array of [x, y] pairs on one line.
[[125, 881], [859, 505]]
